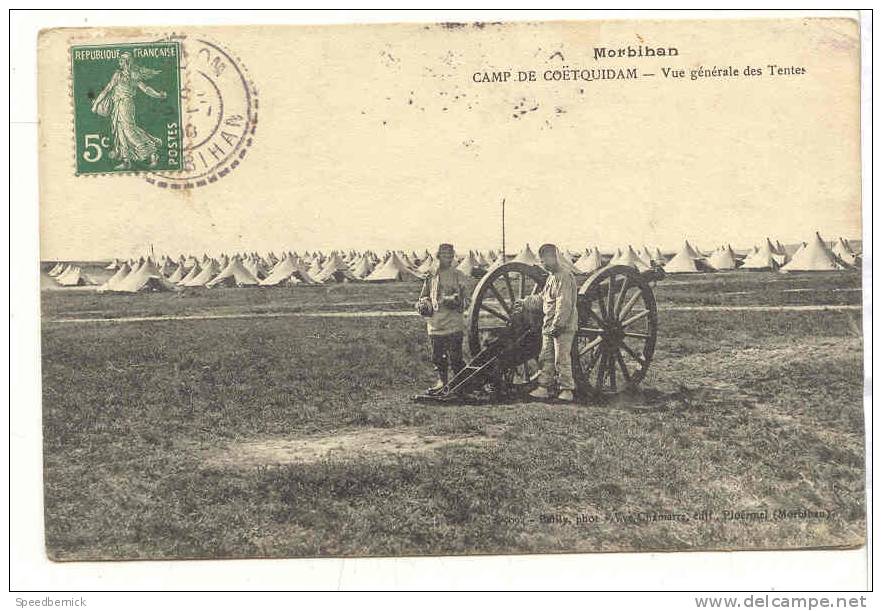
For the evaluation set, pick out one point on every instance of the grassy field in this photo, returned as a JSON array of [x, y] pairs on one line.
[[297, 437]]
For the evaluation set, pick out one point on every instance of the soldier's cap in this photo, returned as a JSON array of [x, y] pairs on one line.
[[547, 247], [445, 249]]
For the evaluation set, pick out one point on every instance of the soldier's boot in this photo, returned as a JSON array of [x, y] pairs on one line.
[[440, 384], [540, 393]]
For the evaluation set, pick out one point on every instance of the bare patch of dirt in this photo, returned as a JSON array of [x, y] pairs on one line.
[[341, 444]]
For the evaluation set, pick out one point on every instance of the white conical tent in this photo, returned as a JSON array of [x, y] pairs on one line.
[[392, 270], [146, 278], [631, 259], [234, 274], [58, 269], [844, 252], [567, 263], [288, 271], [426, 266], [118, 278], [255, 266], [763, 259], [64, 269], [527, 256], [815, 257], [684, 262], [206, 275], [722, 259], [589, 262], [178, 274], [362, 267], [334, 270], [315, 265], [798, 251], [469, 265], [273, 266], [760, 261], [778, 252], [614, 259], [166, 267], [690, 251], [191, 275], [73, 276]]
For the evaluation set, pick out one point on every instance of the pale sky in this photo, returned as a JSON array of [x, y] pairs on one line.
[[378, 137]]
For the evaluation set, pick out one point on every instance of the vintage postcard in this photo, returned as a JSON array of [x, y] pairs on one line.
[[451, 288]]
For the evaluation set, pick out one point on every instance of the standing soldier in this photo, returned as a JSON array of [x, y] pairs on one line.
[[442, 301], [559, 325]]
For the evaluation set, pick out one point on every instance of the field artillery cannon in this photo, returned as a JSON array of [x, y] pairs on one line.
[[612, 350]]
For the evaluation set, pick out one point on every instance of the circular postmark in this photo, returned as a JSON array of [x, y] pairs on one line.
[[219, 114]]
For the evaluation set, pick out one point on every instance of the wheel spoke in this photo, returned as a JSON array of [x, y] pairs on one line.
[[588, 331], [501, 301], [601, 373], [622, 293], [511, 292], [637, 335], [523, 286], [628, 306], [612, 372], [590, 346], [494, 312], [635, 318], [623, 367], [594, 315], [634, 355], [601, 305], [592, 361], [609, 297]]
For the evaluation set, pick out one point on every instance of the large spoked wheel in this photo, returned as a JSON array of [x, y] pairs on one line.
[[491, 318], [618, 323]]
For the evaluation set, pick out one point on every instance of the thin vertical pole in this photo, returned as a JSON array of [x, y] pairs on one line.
[[503, 229]]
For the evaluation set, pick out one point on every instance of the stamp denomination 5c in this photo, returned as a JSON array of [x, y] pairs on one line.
[[127, 107]]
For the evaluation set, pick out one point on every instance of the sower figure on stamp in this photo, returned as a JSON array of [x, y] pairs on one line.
[[131, 143], [442, 301], [559, 325]]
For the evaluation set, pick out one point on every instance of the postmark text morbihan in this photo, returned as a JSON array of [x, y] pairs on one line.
[[127, 107]]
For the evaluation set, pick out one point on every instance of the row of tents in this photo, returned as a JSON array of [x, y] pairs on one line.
[[813, 255], [252, 269]]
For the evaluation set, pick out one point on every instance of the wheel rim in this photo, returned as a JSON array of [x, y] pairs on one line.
[[618, 322], [490, 316]]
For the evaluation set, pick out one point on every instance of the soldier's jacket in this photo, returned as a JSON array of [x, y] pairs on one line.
[[447, 318], [558, 303]]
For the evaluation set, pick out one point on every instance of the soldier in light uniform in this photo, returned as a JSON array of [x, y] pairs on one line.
[[442, 301], [559, 325]]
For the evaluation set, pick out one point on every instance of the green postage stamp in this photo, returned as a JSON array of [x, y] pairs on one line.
[[127, 107]]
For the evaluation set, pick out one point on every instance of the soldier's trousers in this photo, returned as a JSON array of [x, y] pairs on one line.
[[555, 361], [447, 353]]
